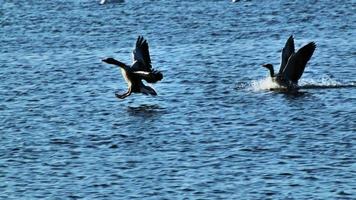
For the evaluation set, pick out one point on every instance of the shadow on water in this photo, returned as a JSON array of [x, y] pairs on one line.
[[145, 110], [292, 94]]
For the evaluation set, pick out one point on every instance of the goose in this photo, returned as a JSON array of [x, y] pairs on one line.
[[141, 69], [292, 64]]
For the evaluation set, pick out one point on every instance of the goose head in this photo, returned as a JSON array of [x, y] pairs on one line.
[[270, 68]]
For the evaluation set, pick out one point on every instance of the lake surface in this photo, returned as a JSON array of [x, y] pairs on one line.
[[215, 130]]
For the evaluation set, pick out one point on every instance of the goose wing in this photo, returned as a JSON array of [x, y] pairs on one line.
[[150, 77], [141, 56], [297, 62], [287, 51]]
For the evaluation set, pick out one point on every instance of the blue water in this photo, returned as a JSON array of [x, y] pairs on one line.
[[215, 130]]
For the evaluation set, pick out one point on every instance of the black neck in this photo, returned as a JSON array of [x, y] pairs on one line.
[[118, 63], [271, 70]]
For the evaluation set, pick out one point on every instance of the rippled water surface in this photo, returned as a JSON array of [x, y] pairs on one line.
[[215, 130]]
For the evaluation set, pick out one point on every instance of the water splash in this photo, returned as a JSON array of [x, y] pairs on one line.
[[259, 85], [263, 84], [324, 82], [266, 83]]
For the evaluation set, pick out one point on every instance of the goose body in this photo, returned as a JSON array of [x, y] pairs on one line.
[[292, 64], [140, 69]]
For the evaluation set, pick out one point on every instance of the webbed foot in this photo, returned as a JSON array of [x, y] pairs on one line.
[[123, 96], [120, 96]]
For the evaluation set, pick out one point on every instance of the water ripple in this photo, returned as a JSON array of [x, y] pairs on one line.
[[215, 126]]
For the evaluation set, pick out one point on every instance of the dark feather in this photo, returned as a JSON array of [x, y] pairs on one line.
[[150, 77], [287, 51], [141, 54], [297, 62]]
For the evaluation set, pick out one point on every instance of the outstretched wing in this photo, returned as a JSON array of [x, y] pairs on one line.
[[287, 51], [141, 56], [150, 77], [297, 62]]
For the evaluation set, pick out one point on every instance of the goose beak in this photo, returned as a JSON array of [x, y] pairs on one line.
[[104, 60]]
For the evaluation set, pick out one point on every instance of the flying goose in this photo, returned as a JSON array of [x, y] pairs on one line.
[[141, 68]]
